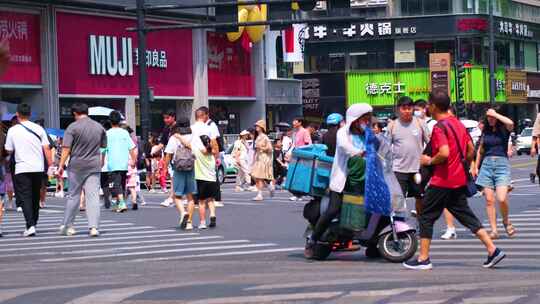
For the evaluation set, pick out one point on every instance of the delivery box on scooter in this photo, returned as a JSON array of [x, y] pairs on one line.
[[353, 213], [309, 171]]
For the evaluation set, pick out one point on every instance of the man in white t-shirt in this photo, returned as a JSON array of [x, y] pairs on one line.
[[201, 127], [30, 146]]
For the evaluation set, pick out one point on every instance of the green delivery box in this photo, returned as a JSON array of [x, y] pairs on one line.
[[353, 212]]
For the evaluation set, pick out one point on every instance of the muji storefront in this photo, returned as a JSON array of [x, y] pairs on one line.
[[98, 65]]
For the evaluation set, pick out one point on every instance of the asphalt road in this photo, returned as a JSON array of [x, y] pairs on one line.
[[255, 256]]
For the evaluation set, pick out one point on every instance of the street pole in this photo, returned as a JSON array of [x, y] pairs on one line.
[[143, 76], [492, 86]]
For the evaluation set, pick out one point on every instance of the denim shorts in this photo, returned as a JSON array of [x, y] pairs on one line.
[[184, 182], [495, 172]]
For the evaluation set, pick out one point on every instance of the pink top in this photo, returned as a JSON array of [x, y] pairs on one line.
[[302, 138]]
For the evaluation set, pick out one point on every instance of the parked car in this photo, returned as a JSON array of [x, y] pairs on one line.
[[472, 128], [226, 169], [524, 141]]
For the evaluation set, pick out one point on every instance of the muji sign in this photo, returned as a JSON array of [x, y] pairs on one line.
[[97, 56], [110, 55]]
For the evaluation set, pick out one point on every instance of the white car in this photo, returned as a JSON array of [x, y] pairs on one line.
[[472, 128], [524, 140]]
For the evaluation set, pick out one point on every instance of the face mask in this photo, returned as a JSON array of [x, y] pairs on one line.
[[418, 113], [363, 126]]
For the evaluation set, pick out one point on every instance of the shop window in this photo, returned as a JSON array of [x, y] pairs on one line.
[[337, 62], [519, 54], [284, 69], [502, 52], [425, 7], [471, 50], [531, 56]]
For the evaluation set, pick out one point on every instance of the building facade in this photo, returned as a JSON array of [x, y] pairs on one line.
[[80, 51], [387, 55]]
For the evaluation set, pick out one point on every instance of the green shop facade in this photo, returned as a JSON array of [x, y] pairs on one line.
[[381, 89], [382, 59]]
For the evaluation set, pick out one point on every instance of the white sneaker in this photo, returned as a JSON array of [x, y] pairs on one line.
[[253, 189], [19, 209], [30, 232], [69, 231], [258, 198], [189, 226], [202, 225], [294, 198], [143, 203], [152, 191], [167, 203], [93, 232], [449, 234], [238, 189], [218, 204]]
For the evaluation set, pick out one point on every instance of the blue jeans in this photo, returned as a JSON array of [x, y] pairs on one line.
[[495, 172]]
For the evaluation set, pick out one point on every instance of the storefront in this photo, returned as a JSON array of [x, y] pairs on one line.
[[22, 81], [283, 100], [382, 89], [97, 64], [231, 85], [322, 94]]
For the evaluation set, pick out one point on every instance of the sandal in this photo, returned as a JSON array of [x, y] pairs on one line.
[[493, 235], [510, 230]]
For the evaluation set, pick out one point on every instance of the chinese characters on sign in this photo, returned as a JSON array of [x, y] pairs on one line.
[[154, 58], [13, 29], [515, 29], [110, 55], [385, 88], [376, 29], [500, 84]]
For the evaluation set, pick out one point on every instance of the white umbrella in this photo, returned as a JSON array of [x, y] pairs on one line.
[[100, 111]]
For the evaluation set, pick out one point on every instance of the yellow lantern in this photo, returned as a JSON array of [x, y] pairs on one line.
[[242, 17], [256, 32]]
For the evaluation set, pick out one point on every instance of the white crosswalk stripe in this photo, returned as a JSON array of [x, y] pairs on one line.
[[523, 246], [118, 240]]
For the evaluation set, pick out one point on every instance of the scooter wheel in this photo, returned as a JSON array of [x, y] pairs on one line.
[[399, 251], [321, 251]]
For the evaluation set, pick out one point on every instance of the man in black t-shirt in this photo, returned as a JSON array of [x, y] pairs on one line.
[[169, 118]]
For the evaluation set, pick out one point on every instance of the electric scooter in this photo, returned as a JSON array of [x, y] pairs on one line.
[[388, 236]]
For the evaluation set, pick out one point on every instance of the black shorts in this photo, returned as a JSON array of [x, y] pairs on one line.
[[408, 186], [206, 189], [455, 201], [118, 182]]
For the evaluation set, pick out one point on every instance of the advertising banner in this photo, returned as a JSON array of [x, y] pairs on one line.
[[23, 33], [516, 86], [384, 88], [229, 68], [533, 87], [97, 56], [439, 68]]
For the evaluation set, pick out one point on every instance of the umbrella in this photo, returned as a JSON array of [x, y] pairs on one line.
[[283, 125], [55, 132], [100, 111]]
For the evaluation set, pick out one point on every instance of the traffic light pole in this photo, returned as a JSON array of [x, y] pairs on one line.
[[492, 91], [143, 75]]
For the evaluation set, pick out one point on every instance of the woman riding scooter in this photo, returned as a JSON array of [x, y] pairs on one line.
[[347, 170]]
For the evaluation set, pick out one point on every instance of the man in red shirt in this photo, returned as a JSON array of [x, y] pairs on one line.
[[447, 186]]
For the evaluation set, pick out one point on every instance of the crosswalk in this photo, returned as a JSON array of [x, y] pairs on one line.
[[120, 240], [522, 247]]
